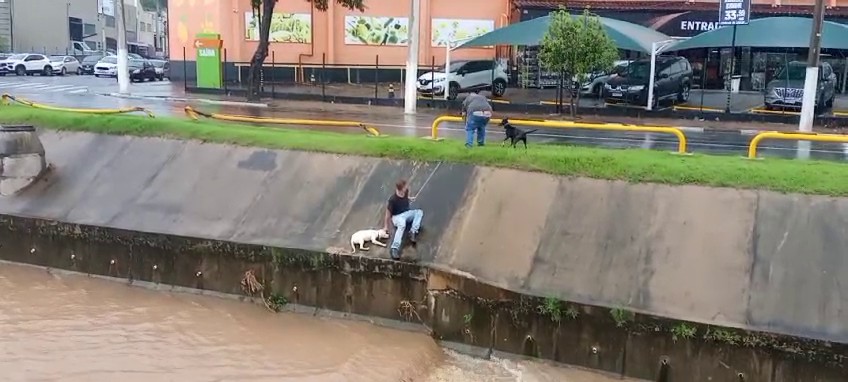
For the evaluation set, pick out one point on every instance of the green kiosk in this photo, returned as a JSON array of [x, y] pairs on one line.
[[208, 47]]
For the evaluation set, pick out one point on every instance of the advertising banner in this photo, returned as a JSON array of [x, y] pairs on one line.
[[368, 30], [285, 27], [734, 12]]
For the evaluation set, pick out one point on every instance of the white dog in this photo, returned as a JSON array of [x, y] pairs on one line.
[[366, 235]]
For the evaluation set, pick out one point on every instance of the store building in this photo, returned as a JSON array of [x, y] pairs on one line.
[[689, 18], [338, 38]]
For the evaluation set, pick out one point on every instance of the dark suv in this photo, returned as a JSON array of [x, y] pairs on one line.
[[673, 81]]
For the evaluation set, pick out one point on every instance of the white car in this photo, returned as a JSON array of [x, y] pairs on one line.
[[29, 64], [107, 67], [465, 76], [65, 64]]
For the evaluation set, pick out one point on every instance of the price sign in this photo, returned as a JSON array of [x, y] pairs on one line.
[[734, 12]]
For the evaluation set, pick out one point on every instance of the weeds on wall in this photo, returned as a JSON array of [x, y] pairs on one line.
[[622, 316], [682, 331]]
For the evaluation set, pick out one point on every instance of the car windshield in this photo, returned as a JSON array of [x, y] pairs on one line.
[[17, 57], [135, 64], [57, 58], [792, 72], [91, 59], [110, 60], [638, 70], [158, 64]]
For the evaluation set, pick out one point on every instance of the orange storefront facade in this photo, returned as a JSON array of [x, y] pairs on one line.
[[339, 36]]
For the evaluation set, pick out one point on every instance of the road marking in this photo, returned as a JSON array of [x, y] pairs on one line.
[[17, 86], [79, 91], [60, 88], [38, 86]]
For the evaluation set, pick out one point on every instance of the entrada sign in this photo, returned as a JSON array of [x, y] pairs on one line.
[[698, 26], [734, 12]]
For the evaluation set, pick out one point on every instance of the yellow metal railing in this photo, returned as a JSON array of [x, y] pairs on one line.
[[7, 99], [792, 136], [681, 138], [196, 114]]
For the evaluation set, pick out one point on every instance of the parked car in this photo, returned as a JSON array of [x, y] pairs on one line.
[[163, 69], [106, 67], [673, 81], [594, 83], [63, 65], [29, 64], [134, 56], [141, 70], [3, 69], [88, 63], [786, 90], [465, 76]]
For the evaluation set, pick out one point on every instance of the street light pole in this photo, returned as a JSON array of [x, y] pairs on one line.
[[123, 67], [410, 98], [811, 79]]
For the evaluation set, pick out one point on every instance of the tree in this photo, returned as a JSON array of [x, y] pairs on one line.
[[576, 46], [263, 11]]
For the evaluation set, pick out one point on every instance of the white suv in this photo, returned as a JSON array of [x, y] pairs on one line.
[[465, 76], [29, 64]]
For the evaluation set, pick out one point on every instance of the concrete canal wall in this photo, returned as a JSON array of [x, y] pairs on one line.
[[752, 260]]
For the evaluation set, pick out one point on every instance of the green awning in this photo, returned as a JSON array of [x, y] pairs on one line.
[[769, 32], [627, 36]]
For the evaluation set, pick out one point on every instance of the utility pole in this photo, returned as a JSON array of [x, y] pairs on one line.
[[812, 76], [410, 94], [123, 67]]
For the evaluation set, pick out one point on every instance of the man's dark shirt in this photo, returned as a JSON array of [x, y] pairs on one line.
[[398, 204]]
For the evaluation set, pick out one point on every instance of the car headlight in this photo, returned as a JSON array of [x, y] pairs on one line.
[[137, 71], [637, 88], [607, 86], [439, 80]]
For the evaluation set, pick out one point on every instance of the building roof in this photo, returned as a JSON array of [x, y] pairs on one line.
[[680, 5]]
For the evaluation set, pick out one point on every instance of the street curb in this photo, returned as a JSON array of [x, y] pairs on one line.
[[199, 100]]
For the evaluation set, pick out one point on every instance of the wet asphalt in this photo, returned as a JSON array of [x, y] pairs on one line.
[[165, 98]]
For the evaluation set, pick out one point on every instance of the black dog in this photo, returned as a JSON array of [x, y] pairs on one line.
[[514, 134]]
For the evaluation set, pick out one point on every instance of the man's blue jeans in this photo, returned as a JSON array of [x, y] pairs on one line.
[[475, 123], [401, 220]]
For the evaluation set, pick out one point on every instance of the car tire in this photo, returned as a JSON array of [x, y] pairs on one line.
[[21, 71], [96, 76], [64, 72], [453, 91], [598, 91], [79, 72], [829, 102], [683, 95], [47, 71], [498, 88]]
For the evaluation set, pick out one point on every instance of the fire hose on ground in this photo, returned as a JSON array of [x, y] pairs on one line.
[[7, 98], [196, 114]]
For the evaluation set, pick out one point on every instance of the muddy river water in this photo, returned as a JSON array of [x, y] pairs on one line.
[[69, 327]]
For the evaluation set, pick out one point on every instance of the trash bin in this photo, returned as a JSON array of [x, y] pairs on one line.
[[735, 81]]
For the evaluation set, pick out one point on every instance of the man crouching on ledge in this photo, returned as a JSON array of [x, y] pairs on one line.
[[399, 214]]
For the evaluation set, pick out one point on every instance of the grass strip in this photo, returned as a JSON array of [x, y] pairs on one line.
[[632, 165]]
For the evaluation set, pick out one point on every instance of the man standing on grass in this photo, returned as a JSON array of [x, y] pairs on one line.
[[399, 214], [477, 112]]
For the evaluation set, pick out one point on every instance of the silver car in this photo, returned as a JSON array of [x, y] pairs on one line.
[[594, 83], [786, 90]]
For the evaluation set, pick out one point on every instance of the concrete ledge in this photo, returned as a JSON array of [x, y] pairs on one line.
[[450, 307]]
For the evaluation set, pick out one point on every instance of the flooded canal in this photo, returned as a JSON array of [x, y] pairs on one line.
[[68, 327]]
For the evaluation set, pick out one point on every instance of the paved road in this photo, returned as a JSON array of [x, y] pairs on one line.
[[164, 98]]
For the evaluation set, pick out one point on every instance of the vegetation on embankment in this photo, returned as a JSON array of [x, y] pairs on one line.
[[632, 165]]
